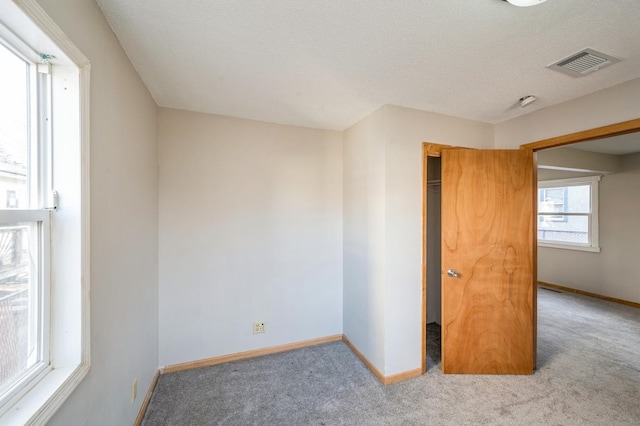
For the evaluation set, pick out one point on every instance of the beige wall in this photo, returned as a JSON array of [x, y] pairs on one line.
[[614, 270], [124, 225], [250, 230]]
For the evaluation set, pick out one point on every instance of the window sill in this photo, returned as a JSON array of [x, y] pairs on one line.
[[570, 247], [41, 402]]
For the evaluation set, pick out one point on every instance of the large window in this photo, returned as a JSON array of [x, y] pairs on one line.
[[44, 351], [24, 222], [568, 213]]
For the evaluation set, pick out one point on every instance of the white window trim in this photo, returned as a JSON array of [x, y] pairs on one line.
[[594, 225], [39, 404]]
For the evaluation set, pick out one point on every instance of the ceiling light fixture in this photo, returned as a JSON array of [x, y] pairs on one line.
[[525, 3], [526, 100]]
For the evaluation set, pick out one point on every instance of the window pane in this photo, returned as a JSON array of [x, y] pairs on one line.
[[19, 303], [14, 130], [571, 229], [565, 199]]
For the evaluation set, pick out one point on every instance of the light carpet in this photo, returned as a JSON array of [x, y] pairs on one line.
[[588, 374]]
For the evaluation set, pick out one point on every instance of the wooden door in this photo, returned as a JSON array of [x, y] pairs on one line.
[[489, 308]]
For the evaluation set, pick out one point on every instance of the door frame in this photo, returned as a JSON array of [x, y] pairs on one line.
[[430, 149], [610, 130]]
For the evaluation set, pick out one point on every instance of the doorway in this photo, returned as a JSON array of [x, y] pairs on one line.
[[431, 250], [434, 150], [553, 262], [434, 276]]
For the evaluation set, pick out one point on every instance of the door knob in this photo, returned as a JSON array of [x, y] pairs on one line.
[[452, 273]]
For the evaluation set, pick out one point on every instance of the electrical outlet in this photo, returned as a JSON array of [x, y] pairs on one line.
[[259, 327], [134, 390]]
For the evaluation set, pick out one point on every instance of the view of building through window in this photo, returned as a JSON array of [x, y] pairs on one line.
[[19, 319], [571, 227]]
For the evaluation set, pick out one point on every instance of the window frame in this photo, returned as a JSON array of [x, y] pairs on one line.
[[27, 28], [38, 95], [592, 215]]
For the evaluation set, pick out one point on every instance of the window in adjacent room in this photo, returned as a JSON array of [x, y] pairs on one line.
[[568, 213]]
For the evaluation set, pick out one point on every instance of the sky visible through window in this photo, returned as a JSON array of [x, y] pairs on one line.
[[13, 87], [14, 130]]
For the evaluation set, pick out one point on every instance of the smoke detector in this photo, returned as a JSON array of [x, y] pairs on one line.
[[583, 62], [525, 3], [526, 100]]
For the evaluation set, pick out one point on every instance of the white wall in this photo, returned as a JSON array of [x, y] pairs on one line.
[[614, 270], [383, 260], [364, 237], [250, 229], [124, 225]]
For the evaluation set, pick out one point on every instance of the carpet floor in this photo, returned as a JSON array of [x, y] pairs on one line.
[[588, 374]]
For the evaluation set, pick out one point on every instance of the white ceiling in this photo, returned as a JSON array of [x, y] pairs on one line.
[[328, 63]]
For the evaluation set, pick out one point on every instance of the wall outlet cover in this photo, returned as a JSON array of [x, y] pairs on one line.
[[259, 327]]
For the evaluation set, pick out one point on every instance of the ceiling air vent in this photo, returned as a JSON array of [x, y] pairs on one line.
[[583, 62]]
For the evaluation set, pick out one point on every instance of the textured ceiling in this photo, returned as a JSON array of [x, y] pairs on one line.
[[329, 63]]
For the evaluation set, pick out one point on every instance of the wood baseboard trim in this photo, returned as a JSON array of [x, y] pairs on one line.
[[147, 398], [248, 354], [385, 380], [401, 377], [587, 293], [364, 359]]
